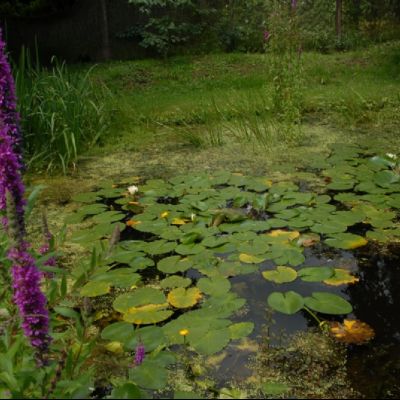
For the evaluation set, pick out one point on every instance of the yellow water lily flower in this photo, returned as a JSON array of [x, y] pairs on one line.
[[184, 332]]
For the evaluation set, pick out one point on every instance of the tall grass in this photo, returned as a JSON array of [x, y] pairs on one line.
[[62, 112]]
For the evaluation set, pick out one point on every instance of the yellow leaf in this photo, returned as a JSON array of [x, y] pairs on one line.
[[352, 331], [131, 222], [284, 235], [115, 347], [184, 298], [250, 259], [164, 214], [179, 221], [357, 243], [341, 277]]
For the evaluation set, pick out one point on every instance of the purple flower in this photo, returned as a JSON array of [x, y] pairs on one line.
[[266, 36], [28, 297], [8, 109], [294, 4], [30, 300], [140, 353]]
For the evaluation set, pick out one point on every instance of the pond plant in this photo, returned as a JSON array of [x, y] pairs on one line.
[[174, 275]]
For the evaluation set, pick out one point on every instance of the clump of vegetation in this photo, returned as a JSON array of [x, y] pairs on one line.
[[63, 113]]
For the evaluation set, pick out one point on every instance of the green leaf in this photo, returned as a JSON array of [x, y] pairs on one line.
[[186, 395], [118, 332], [280, 275], [216, 286], [184, 298], [152, 337], [149, 375], [175, 281], [241, 329], [95, 288], [139, 297], [315, 274], [174, 264], [274, 388], [346, 241], [328, 303], [212, 342], [286, 303], [126, 391]]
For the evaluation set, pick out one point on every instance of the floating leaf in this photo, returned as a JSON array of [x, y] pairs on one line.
[[150, 375], [174, 264], [175, 281], [118, 331], [328, 303], [346, 241], [285, 236], [241, 329], [212, 342], [148, 314], [341, 277], [315, 274], [280, 275], [352, 331], [250, 259], [139, 297], [126, 391], [216, 286], [287, 303], [184, 298]]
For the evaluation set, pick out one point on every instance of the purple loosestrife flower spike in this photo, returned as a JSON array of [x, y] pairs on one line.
[[266, 36], [8, 109], [140, 353], [294, 4], [28, 297]]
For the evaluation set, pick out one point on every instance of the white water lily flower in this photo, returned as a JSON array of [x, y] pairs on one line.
[[133, 189], [392, 156]]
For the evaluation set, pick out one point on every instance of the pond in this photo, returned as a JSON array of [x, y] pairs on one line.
[[216, 273]]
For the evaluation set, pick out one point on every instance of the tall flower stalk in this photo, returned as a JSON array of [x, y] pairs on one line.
[[28, 297]]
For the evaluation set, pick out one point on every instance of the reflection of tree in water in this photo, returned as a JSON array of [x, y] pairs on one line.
[[375, 368]]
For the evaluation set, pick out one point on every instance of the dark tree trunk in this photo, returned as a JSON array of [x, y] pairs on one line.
[[106, 49], [339, 6]]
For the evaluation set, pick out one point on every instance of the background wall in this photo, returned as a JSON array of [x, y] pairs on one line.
[[75, 35]]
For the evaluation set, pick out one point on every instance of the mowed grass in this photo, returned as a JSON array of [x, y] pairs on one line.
[[359, 89]]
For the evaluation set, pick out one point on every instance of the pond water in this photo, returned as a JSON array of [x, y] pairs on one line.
[[223, 257]]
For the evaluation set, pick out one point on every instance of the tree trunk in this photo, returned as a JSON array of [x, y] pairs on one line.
[[106, 49], [339, 20]]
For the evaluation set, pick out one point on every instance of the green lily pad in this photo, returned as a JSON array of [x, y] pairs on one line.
[[280, 275], [175, 281], [241, 330], [274, 388], [346, 241], [150, 375], [216, 286], [286, 303], [139, 297], [315, 274], [118, 331], [328, 303], [212, 342], [174, 264]]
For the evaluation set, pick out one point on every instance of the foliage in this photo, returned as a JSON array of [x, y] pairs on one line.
[[168, 23], [62, 112], [28, 8], [284, 48]]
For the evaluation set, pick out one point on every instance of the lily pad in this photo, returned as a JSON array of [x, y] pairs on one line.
[[280, 275], [346, 241], [184, 298], [286, 303], [328, 303], [315, 274]]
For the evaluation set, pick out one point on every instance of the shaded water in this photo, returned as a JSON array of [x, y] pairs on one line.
[[373, 369]]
